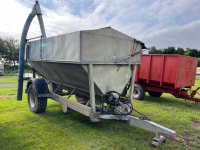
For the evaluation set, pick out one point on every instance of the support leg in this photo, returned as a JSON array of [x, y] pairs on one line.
[[94, 115], [132, 82], [33, 73], [91, 85], [158, 140]]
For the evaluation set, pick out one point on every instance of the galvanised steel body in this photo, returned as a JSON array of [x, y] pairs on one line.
[[65, 59], [88, 64]]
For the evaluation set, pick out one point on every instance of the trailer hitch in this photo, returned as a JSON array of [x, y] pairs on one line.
[[161, 131], [194, 92]]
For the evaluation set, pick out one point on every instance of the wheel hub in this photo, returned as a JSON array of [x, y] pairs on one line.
[[136, 92], [32, 98]]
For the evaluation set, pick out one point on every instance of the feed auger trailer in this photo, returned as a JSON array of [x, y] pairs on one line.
[[165, 73], [94, 65]]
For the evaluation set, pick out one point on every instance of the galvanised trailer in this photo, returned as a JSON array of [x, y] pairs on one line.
[[1, 69], [165, 73], [93, 65]]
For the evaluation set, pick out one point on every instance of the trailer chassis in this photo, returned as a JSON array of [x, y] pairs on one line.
[[160, 131], [95, 116], [178, 93]]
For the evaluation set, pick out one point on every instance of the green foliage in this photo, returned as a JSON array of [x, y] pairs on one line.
[[159, 51], [3, 49], [194, 53], [9, 51], [187, 52], [180, 51], [169, 50], [9, 55], [10, 72], [198, 65], [155, 51], [13, 70]]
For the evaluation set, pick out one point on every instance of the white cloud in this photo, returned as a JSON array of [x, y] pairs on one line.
[[158, 23], [179, 36], [12, 13]]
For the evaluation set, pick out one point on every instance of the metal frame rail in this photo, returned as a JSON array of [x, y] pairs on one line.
[[95, 116]]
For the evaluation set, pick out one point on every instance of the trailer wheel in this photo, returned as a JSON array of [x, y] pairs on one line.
[[36, 105], [138, 92], [80, 98], [155, 94]]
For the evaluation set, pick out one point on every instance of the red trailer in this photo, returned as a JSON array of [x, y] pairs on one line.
[[165, 73]]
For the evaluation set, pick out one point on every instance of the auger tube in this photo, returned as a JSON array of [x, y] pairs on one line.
[[35, 11]]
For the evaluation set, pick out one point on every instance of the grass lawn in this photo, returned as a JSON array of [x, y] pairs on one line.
[[22, 129], [8, 80]]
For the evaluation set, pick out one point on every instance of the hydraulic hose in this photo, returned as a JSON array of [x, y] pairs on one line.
[[21, 55]]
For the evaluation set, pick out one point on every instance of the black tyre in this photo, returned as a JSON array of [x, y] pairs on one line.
[[80, 98], [155, 94], [36, 105], [138, 92]]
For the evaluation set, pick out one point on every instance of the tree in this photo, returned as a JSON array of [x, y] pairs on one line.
[[159, 51], [3, 50], [153, 50], [187, 52], [9, 51], [194, 53], [169, 50], [180, 51]]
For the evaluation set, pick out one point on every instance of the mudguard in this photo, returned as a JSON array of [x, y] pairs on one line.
[[40, 85]]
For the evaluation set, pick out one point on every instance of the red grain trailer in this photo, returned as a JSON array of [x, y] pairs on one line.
[[165, 73]]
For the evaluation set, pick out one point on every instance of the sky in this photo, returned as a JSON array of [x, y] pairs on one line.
[[159, 23]]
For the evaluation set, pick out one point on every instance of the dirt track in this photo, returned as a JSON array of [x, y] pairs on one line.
[[8, 76], [10, 85]]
